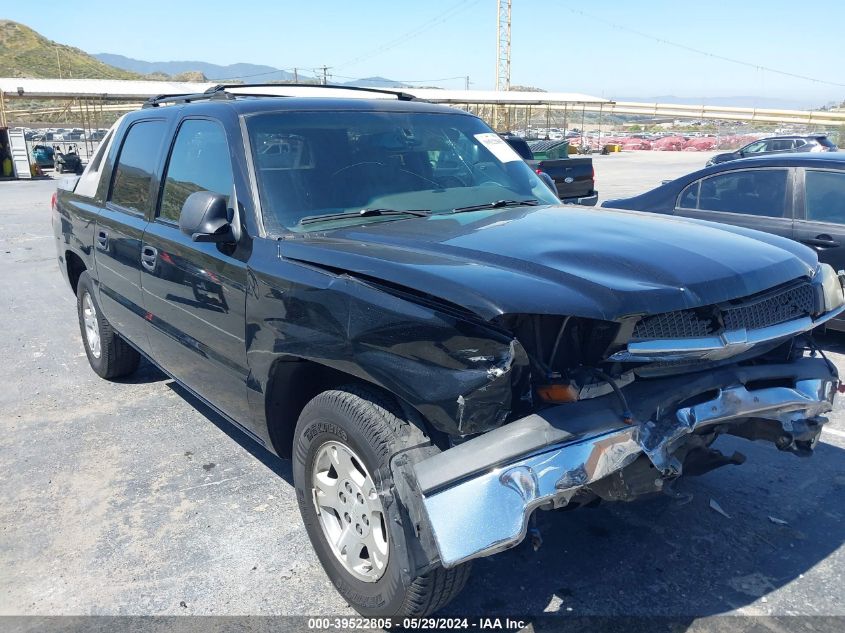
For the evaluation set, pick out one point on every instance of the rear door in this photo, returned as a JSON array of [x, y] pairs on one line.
[[780, 145], [821, 216], [195, 293], [758, 199], [120, 227]]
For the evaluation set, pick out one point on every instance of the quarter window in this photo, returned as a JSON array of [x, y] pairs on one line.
[[135, 165], [689, 196], [199, 162], [825, 196], [753, 192], [89, 181]]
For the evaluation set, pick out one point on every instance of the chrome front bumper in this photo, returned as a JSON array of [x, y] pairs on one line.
[[478, 513]]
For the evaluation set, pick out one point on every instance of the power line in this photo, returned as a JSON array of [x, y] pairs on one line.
[[705, 53], [404, 81], [416, 31], [390, 44], [264, 74]]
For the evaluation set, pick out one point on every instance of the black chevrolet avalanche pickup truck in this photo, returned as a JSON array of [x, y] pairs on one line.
[[381, 290]]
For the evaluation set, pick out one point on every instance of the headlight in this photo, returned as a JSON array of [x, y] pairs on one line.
[[831, 287]]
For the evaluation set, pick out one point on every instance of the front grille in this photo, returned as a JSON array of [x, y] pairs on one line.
[[681, 324], [783, 306], [751, 313]]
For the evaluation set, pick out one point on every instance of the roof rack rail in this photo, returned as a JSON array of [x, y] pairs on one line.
[[154, 102], [400, 95], [222, 91]]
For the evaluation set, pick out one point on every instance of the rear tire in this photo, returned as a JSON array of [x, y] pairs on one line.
[[373, 430], [108, 354]]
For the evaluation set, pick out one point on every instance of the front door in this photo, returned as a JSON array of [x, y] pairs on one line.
[[195, 293]]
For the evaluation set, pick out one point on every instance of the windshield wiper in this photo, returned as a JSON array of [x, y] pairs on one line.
[[498, 204], [363, 213]]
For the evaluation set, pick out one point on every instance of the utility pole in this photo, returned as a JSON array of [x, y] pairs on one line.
[[503, 62], [58, 63], [325, 75], [466, 82], [295, 76]]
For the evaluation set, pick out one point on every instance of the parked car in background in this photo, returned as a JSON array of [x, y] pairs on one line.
[[778, 144], [43, 155], [574, 178], [799, 196]]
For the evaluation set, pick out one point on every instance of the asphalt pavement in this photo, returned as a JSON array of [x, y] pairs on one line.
[[131, 498]]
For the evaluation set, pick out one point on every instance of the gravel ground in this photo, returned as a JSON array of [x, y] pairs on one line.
[[130, 498]]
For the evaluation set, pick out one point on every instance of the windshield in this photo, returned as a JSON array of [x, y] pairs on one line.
[[328, 163]]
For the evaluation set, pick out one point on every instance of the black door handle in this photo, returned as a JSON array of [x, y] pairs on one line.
[[102, 240], [822, 241], [148, 257]]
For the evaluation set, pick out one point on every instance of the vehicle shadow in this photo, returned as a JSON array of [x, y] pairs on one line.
[[145, 374], [662, 558], [280, 467]]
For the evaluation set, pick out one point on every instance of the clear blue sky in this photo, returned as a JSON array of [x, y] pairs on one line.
[[553, 46]]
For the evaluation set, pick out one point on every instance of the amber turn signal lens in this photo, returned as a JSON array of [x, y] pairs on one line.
[[557, 393]]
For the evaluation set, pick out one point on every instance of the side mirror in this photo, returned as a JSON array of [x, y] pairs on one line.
[[205, 217]]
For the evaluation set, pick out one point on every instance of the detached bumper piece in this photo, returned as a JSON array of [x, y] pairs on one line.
[[479, 496]]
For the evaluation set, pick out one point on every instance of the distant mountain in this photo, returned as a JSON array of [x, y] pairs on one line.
[[375, 82], [256, 73], [739, 102], [25, 53]]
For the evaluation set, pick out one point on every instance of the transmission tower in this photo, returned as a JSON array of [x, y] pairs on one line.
[[501, 118]]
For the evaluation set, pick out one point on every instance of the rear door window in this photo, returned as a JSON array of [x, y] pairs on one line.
[[759, 192], [825, 196], [136, 163], [199, 162], [781, 145]]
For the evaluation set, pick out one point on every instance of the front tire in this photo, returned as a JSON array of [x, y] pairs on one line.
[[108, 354], [341, 468]]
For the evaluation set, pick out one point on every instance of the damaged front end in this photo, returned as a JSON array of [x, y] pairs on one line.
[[621, 409], [479, 495]]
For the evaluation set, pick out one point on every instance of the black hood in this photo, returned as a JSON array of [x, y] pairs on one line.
[[602, 264]]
